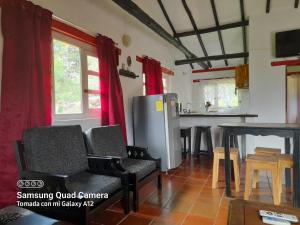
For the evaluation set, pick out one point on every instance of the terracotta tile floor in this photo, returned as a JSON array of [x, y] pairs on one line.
[[186, 198]]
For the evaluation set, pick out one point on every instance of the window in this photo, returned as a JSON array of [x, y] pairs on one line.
[[165, 84], [220, 93], [76, 79]]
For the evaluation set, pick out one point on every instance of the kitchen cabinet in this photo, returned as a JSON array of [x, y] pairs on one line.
[[242, 76]]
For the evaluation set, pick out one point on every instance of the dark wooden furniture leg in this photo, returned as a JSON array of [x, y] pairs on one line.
[[209, 142], [184, 147], [227, 163], [190, 142], [197, 142], [287, 145], [296, 172]]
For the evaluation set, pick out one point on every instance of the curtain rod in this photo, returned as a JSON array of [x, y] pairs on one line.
[[76, 26]]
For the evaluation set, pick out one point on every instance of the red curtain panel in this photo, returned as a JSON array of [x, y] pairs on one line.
[[112, 107], [153, 76], [26, 83]]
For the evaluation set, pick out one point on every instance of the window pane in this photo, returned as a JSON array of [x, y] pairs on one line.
[[67, 78], [226, 95], [209, 94], [94, 101], [93, 82], [93, 64]]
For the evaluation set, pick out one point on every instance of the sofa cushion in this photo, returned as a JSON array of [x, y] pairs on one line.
[[89, 183], [141, 167], [106, 141], [56, 149]]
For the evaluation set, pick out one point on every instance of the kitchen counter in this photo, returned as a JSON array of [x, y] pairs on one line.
[[216, 115], [214, 119]]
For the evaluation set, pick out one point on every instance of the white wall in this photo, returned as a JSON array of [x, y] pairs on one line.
[[106, 18], [267, 83]]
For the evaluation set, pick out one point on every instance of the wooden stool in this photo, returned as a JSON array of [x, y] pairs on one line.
[[266, 152], [219, 153], [198, 134], [185, 133], [285, 161], [262, 162]]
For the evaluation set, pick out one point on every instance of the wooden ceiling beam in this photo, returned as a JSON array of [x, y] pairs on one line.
[[162, 7], [244, 30], [130, 7], [213, 58], [268, 6], [189, 13], [213, 6], [213, 29]]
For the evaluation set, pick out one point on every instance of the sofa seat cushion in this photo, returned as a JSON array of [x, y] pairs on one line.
[[89, 183], [141, 167]]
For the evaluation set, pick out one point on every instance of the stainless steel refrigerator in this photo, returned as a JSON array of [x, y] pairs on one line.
[[156, 125]]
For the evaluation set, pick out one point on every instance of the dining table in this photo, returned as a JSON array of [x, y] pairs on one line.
[[290, 132]]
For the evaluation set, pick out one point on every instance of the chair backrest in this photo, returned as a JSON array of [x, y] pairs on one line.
[[106, 141], [56, 149]]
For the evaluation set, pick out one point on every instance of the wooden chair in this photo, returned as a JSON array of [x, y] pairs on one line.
[[262, 162], [219, 153]]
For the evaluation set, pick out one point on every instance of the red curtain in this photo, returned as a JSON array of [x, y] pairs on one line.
[[153, 76], [26, 83], [112, 107]]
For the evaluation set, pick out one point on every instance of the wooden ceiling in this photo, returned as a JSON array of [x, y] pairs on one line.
[[209, 33]]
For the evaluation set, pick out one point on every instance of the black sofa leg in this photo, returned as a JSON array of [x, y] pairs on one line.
[[125, 201], [159, 185], [135, 199]]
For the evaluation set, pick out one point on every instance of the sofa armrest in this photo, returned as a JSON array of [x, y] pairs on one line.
[[52, 182], [106, 165], [110, 166], [135, 152]]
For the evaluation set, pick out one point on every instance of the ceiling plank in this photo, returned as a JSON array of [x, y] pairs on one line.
[[213, 6], [213, 58], [143, 17], [268, 6], [162, 7], [189, 13], [296, 5], [213, 29], [242, 6]]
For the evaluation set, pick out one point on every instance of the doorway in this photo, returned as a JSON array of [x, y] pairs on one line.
[[293, 94]]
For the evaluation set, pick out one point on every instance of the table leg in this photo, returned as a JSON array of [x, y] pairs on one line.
[[287, 145], [227, 163], [190, 143], [296, 171], [243, 147]]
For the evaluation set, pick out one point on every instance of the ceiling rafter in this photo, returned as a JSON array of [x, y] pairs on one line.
[[132, 8], [213, 6], [242, 6], [213, 29], [161, 5], [268, 6], [213, 58], [188, 11]]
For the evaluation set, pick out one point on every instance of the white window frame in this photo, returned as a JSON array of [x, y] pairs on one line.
[[85, 50]]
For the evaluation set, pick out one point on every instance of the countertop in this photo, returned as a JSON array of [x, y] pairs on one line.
[[217, 115]]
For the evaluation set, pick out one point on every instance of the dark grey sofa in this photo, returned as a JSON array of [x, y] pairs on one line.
[[107, 141], [58, 156]]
